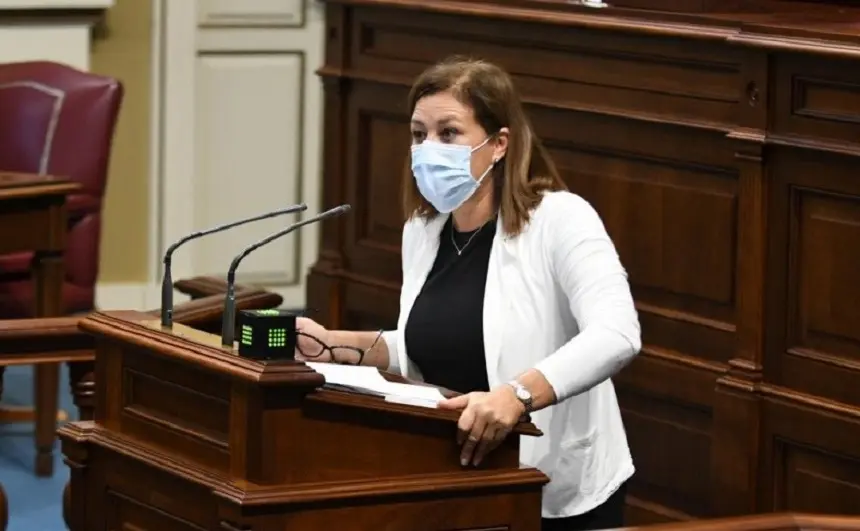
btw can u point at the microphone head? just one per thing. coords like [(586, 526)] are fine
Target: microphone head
[(339, 210)]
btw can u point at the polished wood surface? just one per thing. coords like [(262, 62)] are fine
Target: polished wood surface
[(33, 218), (722, 151), (769, 522), (189, 435), (26, 341)]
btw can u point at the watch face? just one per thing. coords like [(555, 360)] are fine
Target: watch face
[(522, 394)]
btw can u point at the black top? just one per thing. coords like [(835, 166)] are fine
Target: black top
[(445, 330)]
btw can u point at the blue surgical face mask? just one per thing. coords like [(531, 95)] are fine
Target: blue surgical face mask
[(443, 173)]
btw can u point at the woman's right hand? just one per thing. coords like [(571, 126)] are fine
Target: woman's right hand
[(310, 341)]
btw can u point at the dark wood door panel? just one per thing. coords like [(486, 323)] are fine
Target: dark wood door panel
[(668, 415), (685, 381), (818, 348), (812, 460), (378, 142), (825, 287), (660, 432), (652, 209), (823, 341), (707, 149), (579, 67), (816, 99), (656, 198)]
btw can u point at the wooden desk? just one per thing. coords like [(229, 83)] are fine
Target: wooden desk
[(187, 435), (33, 218), (765, 522), (59, 339)]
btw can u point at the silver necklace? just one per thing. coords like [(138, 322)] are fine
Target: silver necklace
[(472, 237)]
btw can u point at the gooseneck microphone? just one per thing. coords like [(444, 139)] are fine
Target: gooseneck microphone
[(228, 325), (167, 279)]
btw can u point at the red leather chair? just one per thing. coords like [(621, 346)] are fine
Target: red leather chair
[(57, 120)]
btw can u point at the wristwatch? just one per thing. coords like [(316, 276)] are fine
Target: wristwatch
[(522, 394)]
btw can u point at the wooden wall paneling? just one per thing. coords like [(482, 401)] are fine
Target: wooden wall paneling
[(811, 460), (660, 188), (378, 151), (324, 285), (673, 188), (574, 67), (723, 164), (815, 256), (811, 416), (818, 100), (737, 413)]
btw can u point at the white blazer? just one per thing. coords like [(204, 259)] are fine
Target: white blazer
[(556, 299)]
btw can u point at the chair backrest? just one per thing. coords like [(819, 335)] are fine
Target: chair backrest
[(57, 120)]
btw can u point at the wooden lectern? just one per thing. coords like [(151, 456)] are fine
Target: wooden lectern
[(188, 435)]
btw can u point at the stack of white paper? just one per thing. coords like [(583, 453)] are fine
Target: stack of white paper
[(368, 379)]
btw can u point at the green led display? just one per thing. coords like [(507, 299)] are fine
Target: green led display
[(247, 335), (268, 312), (277, 337)]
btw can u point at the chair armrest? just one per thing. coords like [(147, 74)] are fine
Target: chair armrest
[(22, 339), (55, 334), (200, 287)]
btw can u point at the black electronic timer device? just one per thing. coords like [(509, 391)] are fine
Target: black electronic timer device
[(267, 334)]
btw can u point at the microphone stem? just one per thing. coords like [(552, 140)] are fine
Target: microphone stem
[(228, 325), (167, 296), (167, 280)]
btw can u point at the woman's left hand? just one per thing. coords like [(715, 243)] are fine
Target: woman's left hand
[(486, 420)]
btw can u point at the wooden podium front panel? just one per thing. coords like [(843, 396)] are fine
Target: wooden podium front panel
[(502, 512), (129, 495), (130, 485), (363, 437), (274, 435), (170, 404)]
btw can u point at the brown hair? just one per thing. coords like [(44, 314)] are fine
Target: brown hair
[(526, 170)]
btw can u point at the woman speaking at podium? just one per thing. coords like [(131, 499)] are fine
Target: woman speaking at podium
[(513, 294)]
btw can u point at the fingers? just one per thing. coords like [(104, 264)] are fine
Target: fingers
[(464, 425), (484, 446), (481, 428), (493, 437), (458, 402), (473, 426)]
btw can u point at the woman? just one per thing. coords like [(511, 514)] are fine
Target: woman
[(513, 294)]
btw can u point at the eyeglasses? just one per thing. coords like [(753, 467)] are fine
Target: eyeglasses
[(352, 356), (319, 348)]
